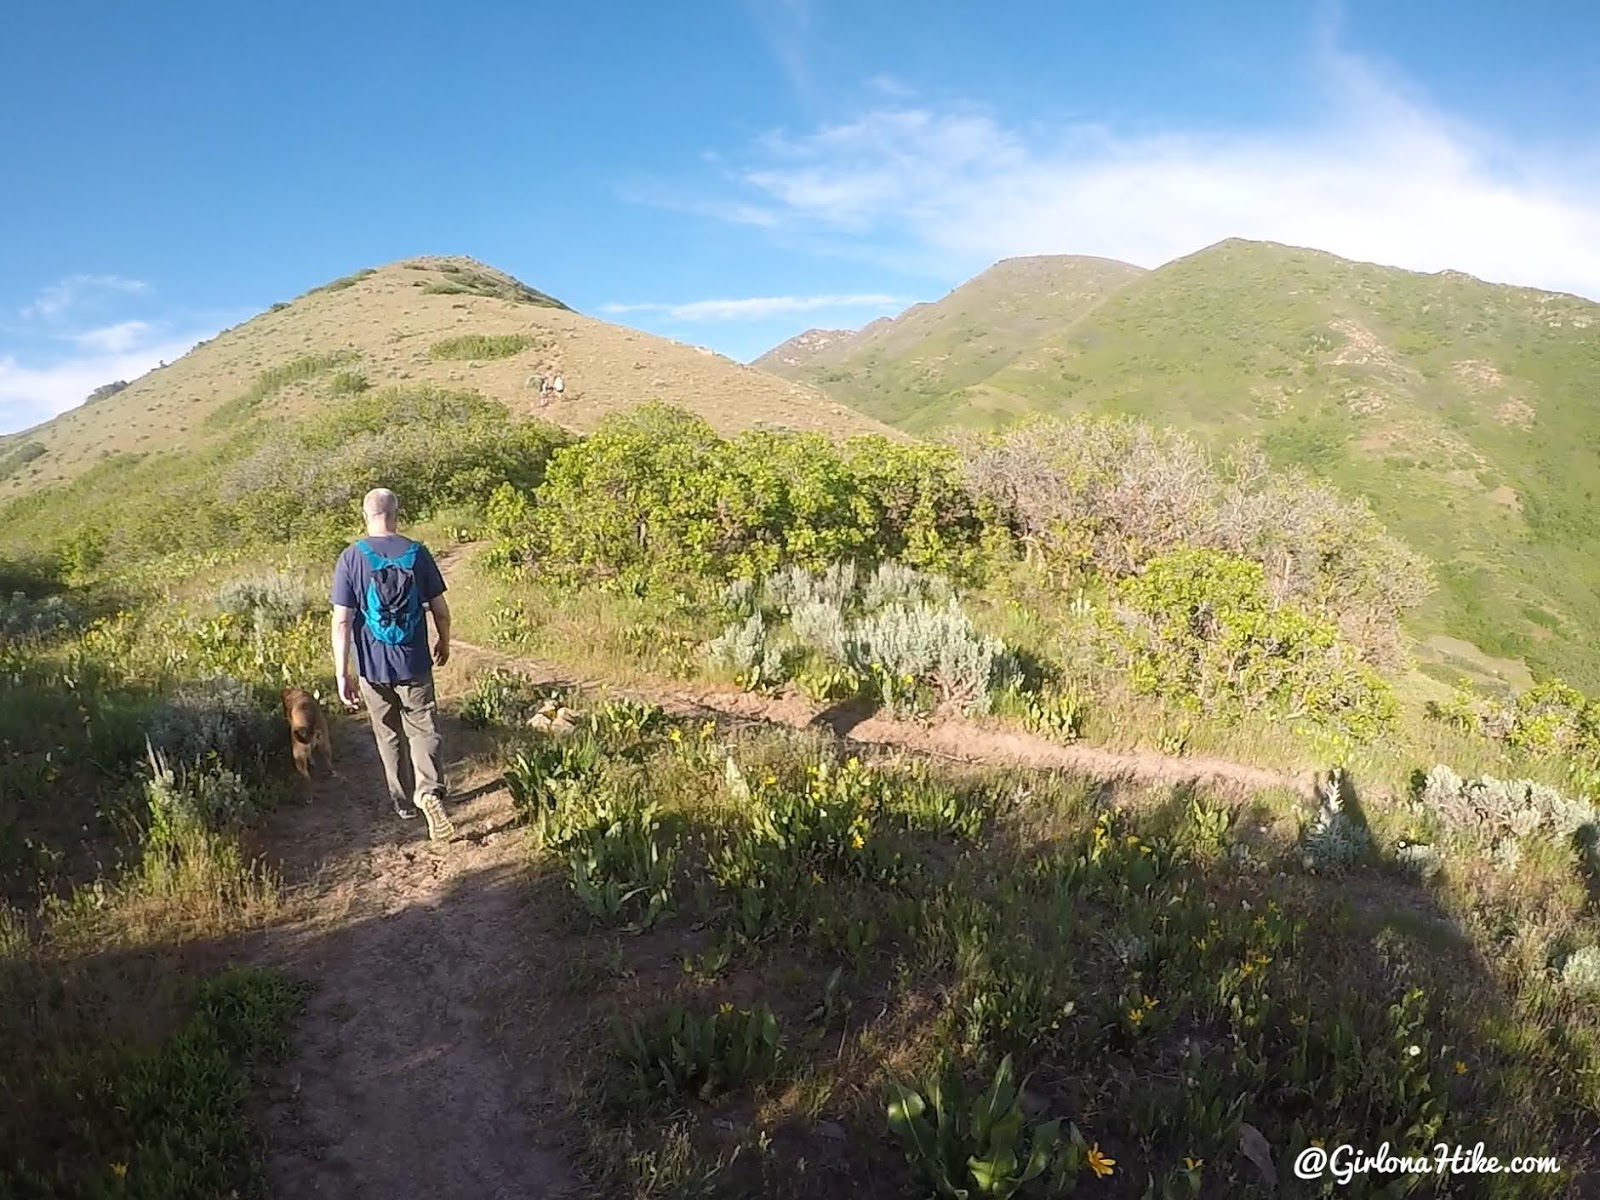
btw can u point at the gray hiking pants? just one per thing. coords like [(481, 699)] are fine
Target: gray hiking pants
[(403, 722)]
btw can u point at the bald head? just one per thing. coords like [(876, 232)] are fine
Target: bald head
[(379, 507)]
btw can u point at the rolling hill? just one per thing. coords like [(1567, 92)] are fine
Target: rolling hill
[(391, 325), (1468, 412), (894, 367)]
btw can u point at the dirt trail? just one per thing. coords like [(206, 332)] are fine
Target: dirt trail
[(961, 740), (397, 1090)]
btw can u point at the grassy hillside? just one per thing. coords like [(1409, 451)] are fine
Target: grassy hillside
[(447, 322), (1467, 412), (893, 368)]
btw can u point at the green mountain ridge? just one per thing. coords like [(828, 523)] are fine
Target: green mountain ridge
[(1467, 412)]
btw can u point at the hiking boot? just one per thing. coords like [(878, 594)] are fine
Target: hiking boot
[(403, 809), (439, 826)]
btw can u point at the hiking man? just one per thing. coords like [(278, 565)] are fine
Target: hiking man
[(383, 587)]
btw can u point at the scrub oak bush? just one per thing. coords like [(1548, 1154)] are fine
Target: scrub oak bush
[(1201, 627), (1551, 717), (1108, 494), (657, 496)]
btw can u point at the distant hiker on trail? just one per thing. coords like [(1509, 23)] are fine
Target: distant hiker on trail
[(383, 588)]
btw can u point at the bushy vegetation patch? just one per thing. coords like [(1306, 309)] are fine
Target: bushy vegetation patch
[(481, 346), (1201, 627), (14, 458), (898, 634), (655, 496), (1109, 494), (346, 281), (437, 448), (273, 380), (22, 616), (463, 280)]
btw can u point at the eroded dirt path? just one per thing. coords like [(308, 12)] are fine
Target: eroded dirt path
[(397, 1090)]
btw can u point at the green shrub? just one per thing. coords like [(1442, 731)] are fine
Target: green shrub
[(461, 279), (348, 383), (273, 380), (1504, 807), (481, 346), (985, 1145), (16, 457), (437, 449), (1581, 972), (678, 1055), (346, 281), (656, 495), (1200, 627), (903, 648), (1335, 839), (201, 794)]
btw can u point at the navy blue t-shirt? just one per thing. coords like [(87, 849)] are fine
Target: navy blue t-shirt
[(378, 662)]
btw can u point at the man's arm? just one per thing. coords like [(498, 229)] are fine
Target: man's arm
[(440, 608), (343, 622)]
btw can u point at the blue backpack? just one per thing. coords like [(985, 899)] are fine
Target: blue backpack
[(392, 607)]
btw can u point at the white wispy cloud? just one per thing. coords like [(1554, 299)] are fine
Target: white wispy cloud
[(756, 307), (1378, 175), (76, 291), (32, 394), (114, 339), (890, 85)]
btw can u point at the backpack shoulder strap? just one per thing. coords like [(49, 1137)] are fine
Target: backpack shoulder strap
[(406, 558)]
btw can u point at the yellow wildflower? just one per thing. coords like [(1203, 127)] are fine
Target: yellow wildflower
[(1193, 1164), (1461, 1068), (1317, 1142), (1099, 1163), (770, 780), (1149, 1003), (724, 1009), (856, 841), (1135, 1015), (675, 735), (120, 1170)]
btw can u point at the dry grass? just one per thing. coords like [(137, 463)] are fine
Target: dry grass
[(390, 322)]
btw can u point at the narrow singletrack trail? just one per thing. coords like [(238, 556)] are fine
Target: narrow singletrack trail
[(968, 741), (398, 1089)]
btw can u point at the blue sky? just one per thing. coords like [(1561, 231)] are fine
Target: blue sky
[(730, 172)]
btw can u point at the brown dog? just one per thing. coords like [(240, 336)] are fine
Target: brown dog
[(308, 730)]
